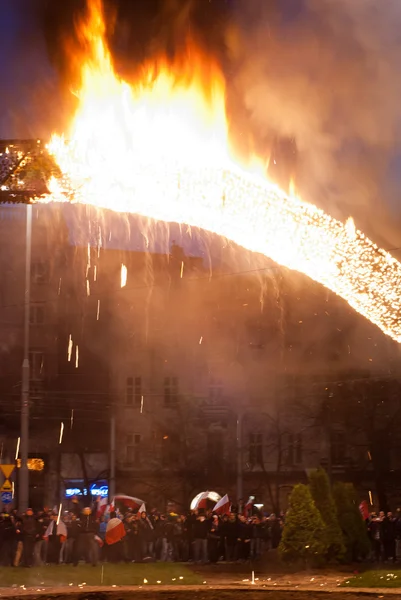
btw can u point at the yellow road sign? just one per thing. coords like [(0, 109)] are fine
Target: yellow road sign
[(7, 470), (7, 486)]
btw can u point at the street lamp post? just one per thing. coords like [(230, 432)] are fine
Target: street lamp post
[(24, 447), (112, 482), (240, 416)]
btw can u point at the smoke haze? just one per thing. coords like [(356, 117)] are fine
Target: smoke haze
[(327, 75)]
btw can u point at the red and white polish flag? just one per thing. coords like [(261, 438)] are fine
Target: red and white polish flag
[(223, 506), (115, 531)]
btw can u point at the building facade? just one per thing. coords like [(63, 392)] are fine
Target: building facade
[(221, 378)]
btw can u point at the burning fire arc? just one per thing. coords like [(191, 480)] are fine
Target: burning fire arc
[(159, 147)]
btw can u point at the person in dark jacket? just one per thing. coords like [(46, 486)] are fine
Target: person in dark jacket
[(73, 531), (76, 509), (132, 540), (231, 534), (376, 533), (389, 528), (214, 539), (244, 539), (86, 545), (275, 531), (40, 551), (146, 534), (30, 534), (8, 541), (200, 531)]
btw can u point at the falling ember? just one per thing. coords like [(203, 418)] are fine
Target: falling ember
[(69, 350), (72, 418), (76, 356), (124, 273), (17, 449), (182, 268), (369, 455), (88, 290), (201, 340), (59, 287), (98, 310), (59, 513), (370, 498), (173, 162), (61, 432), (141, 404), (95, 273)]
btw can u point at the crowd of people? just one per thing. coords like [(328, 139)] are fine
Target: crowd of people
[(47, 537), (82, 534), (384, 531)]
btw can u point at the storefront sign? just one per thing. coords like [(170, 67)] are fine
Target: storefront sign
[(96, 489)]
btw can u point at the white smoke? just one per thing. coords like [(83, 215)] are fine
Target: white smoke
[(329, 78)]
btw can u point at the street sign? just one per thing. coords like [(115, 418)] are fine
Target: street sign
[(7, 470), (7, 486), (6, 497)]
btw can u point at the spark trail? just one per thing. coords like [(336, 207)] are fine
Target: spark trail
[(159, 147)]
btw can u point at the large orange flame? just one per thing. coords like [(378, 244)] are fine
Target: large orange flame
[(159, 147)]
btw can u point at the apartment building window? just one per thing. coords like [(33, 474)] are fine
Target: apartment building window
[(40, 272), (256, 448), (338, 447), (170, 391), (36, 363), (293, 450), (133, 391), (133, 448), (37, 314)]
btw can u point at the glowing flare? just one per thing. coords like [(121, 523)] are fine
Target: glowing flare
[(61, 433), (124, 274), (69, 349), (159, 147)]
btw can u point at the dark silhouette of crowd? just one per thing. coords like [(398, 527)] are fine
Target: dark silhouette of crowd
[(81, 534)]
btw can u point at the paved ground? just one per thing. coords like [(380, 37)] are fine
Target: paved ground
[(311, 586), (227, 582)]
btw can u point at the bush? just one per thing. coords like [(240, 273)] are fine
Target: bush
[(303, 535), (324, 501), (351, 522)]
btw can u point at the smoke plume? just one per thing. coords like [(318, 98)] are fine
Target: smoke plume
[(318, 76), (326, 73)]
